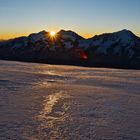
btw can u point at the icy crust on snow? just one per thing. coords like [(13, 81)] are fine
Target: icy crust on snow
[(51, 102)]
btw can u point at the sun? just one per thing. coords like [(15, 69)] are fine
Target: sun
[(52, 33)]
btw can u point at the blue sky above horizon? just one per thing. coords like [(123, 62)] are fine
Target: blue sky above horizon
[(86, 17)]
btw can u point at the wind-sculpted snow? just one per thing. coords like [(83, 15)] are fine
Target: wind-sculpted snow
[(51, 102)]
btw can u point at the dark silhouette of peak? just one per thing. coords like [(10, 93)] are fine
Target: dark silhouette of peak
[(42, 35), (70, 34), (124, 32), (123, 35), (120, 48), (43, 32), (39, 33), (66, 31)]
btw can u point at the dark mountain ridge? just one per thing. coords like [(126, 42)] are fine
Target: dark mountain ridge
[(118, 49)]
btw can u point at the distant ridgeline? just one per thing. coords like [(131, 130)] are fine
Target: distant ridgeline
[(119, 49)]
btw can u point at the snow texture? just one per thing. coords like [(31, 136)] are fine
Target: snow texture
[(39, 101)]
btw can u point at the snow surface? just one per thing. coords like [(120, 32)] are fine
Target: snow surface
[(42, 102)]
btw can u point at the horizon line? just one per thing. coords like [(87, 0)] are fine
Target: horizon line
[(85, 37)]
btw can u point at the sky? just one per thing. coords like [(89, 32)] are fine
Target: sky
[(86, 17)]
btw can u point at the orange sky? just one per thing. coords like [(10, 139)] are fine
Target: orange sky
[(85, 17), (83, 34)]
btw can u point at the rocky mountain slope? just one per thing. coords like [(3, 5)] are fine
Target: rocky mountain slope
[(120, 48)]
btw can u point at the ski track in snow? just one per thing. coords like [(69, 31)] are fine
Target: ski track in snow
[(51, 102)]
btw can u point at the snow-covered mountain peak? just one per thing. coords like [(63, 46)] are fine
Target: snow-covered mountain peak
[(125, 35), (66, 32), (124, 31), (119, 45), (38, 36), (69, 35)]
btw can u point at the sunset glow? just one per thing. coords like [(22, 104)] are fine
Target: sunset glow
[(52, 33), (87, 18), (70, 69)]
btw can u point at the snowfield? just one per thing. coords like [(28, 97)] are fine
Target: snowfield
[(51, 102)]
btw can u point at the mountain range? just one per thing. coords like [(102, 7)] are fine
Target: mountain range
[(118, 49)]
